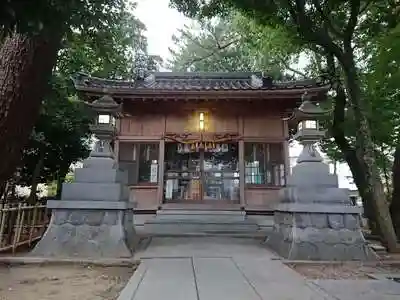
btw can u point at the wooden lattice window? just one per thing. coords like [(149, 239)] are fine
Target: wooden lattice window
[(264, 164), (141, 162)]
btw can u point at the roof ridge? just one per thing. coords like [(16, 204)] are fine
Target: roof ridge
[(205, 75)]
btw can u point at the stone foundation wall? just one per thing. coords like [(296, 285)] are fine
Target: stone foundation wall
[(85, 232), (319, 236)]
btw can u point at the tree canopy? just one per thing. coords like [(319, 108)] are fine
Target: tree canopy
[(231, 44)]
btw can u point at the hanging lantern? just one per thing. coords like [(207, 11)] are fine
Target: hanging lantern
[(201, 122)]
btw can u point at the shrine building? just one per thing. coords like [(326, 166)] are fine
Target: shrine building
[(203, 140)]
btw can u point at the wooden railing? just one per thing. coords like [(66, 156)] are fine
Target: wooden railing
[(21, 224)]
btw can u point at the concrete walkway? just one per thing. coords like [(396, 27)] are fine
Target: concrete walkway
[(222, 269), (213, 269)]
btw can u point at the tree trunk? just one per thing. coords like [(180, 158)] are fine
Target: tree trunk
[(63, 171), (365, 153), (35, 177), (355, 163), (395, 204), (386, 175), (26, 63)]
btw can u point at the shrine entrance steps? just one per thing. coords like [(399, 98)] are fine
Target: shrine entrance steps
[(181, 222)]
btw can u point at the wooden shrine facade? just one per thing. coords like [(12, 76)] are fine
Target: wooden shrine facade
[(210, 139)]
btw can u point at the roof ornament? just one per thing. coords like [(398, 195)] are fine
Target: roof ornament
[(140, 66), (150, 79), (256, 81)]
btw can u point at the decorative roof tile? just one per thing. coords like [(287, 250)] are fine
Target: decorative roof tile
[(193, 81)]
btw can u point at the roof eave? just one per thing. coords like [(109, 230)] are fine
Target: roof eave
[(157, 92)]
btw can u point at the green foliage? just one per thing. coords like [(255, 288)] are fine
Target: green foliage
[(34, 16), (384, 86), (52, 189), (61, 135), (234, 43), (105, 50)]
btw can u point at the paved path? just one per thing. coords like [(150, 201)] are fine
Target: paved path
[(223, 269)]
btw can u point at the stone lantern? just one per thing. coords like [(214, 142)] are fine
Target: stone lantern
[(104, 125), (309, 131), (94, 218), (315, 219)]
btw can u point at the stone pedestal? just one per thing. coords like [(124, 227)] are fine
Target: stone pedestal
[(315, 219), (93, 219)]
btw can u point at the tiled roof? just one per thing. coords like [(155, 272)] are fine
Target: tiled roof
[(171, 81)]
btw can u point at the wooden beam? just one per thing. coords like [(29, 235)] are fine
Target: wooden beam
[(263, 139), (139, 138)]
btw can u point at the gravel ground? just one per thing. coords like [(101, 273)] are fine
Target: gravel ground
[(342, 271), (62, 282)]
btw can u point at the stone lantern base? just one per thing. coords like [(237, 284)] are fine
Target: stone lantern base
[(93, 219), (316, 219), (318, 232)]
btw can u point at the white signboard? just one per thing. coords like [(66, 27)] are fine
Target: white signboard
[(154, 173)]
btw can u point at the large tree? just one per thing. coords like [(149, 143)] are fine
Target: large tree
[(61, 133), (233, 44), (32, 34), (333, 30)]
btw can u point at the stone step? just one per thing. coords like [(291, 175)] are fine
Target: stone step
[(200, 212), (206, 224), (181, 222), (222, 219), (178, 229), (260, 235), (199, 216)]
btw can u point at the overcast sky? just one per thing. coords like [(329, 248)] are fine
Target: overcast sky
[(162, 22)]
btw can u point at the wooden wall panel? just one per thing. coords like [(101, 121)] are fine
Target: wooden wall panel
[(156, 125), (135, 126), (124, 126), (263, 126), (146, 125), (144, 197), (221, 123), (261, 197), (153, 125), (176, 123)]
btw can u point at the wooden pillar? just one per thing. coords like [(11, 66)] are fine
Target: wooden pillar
[(202, 175), (161, 154), (116, 142), (242, 174), (286, 150)]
